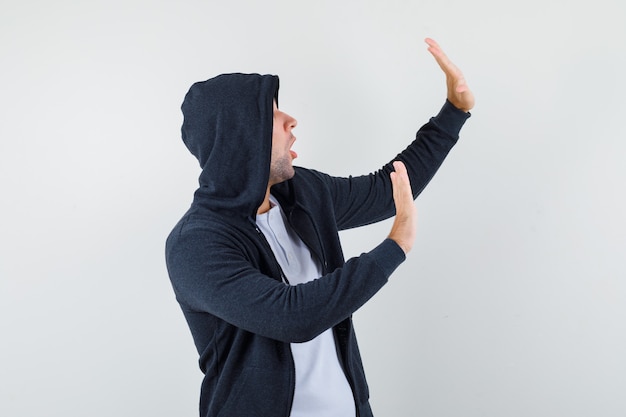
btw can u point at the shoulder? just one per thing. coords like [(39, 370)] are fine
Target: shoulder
[(306, 177), (205, 230)]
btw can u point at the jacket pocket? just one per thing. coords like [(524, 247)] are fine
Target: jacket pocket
[(256, 393)]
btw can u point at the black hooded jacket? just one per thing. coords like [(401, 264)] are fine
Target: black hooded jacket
[(241, 314)]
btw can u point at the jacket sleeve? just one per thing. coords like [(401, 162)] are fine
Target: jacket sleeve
[(367, 199), (211, 273)]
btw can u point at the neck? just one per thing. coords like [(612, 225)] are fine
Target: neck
[(265, 205)]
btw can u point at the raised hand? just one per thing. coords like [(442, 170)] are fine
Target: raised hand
[(459, 93), (404, 228)]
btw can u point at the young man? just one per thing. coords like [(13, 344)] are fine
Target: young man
[(256, 263)]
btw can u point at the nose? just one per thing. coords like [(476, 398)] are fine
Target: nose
[(291, 122)]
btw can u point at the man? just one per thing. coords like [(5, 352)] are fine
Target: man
[(256, 263)]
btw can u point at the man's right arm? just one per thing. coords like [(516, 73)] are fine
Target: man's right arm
[(367, 199)]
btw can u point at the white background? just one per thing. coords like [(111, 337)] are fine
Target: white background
[(513, 301)]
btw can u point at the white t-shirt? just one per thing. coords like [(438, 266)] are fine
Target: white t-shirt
[(322, 389)]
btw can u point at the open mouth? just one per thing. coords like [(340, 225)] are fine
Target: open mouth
[(293, 153)]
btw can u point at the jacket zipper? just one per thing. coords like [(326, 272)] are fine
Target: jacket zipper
[(283, 277), (286, 281), (322, 258), (321, 255)]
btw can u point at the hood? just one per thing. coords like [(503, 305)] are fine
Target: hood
[(227, 126)]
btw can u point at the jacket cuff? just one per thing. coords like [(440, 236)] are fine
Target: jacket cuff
[(389, 255), (450, 119)]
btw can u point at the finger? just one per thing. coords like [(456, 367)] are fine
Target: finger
[(442, 59), (400, 180), (437, 52), (434, 45), (400, 168)]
